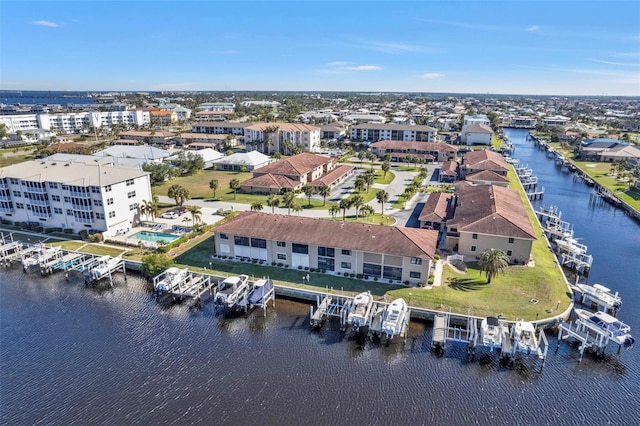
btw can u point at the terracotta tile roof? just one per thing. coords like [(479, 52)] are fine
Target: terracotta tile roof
[(297, 165), (491, 209), (436, 208), (334, 175), (449, 168), (484, 160), (411, 242), (407, 154), (211, 136), (486, 176), (419, 146), (286, 127), (271, 181)]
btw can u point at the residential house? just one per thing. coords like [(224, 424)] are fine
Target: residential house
[(490, 217), (476, 134), (556, 120), (476, 119), (448, 172), (150, 137), (475, 161), (215, 115), (242, 161), (337, 130), (436, 211), (396, 254), (282, 137)]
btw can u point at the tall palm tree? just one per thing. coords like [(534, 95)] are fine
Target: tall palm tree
[(382, 196), (345, 203), (357, 201), (493, 262), (234, 184), (143, 208), (273, 202), (385, 168), (179, 194), (154, 207), (288, 201), (256, 206), (334, 209), (325, 191), (369, 178), (360, 183), (297, 208), (196, 213), (213, 184), (308, 191)]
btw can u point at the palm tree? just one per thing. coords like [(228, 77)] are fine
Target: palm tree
[(371, 157), (297, 208), (179, 194), (273, 202), (357, 201), (325, 191), (345, 203), (362, 155), (385, 168), (369, 178), (213, 184), (366, 210), (153, 208), (493, 262), (143, 208), (382, 196), (288, 201), (308, 191), (360, 183), (334, 209), (234, 184), (195, 212), (256, 206)]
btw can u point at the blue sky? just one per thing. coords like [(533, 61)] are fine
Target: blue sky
[(556, 47)]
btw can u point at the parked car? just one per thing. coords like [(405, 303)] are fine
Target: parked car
[(180, 210), (169, 215)]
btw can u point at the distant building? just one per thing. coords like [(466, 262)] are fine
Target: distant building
[(149, 137), (428, 151), (391, 253), (215, 115), (337, 130), (475, 161), (556, 120), (73, 195), (476, 134), (523, 122), (75, 122), (282, 137), (476, 119), (436, 211), (379, 132), (239, 161)]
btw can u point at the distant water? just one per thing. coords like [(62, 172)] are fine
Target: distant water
[(33, 97), (76, 355)]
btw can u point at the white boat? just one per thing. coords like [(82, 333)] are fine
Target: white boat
[(171, 278), (601, 296), (260, 291), (611, 327), (571, 245), (40, 255), (230, 289), (394, 317), (493, 332), (525, 337), (103, 266), (360, 310)]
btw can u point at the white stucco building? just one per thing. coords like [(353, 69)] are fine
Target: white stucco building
[(274, 137), (74, 122), (398, 132), (73, 195)]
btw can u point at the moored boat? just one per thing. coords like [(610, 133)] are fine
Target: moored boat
[(260, 291), (41, 254), (524, 333), (360, 309), (600, 295), (171, 278), (103, 266), (493, 332), (394, 317), (230, 289), (607, 325), (571, 245)]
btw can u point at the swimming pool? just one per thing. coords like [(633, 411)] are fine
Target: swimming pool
[(154, 236)]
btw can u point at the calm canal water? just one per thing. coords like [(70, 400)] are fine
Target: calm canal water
[(72, 355)]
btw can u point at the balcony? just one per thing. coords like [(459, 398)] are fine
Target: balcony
[(88, 221), (86, 194), (41, 214), (5, 197), (6, 210), (42, 203), (4, 185), (34, 190), (82, 208)]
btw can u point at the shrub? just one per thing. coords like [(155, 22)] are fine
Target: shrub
[(421, 284), (99, 237), (68, 231), (359, 276), (406, 282), (91, 238), (337, 273), (273, 263), (279, 264), (352, 275), (324, 271), (436, 257), (286, 266), (299, 266), (306, 268), (375, 278), (390, 281), (311, 269), (83, 234), (431, 278), (366, 277), (254, 260)]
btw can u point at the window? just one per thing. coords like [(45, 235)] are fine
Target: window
[(129, 182), (345, 265), (474, 236), (112, 214), (241, 241), (327, 263), (55, 198), (414, 274), (13, 181), (57, 210), (473, 248), (258, 243), (509, 252), (416, 261), (99, 216), (109, 201), (346, 252), (281, 243), (300, 248), (326, 251), (281, 256), (133, 206), (107, 188), (131, 194), (511, 240), (372, 269), (95, 189), (392, 273), (97, 202), (224, 237), (53, 185), (69, 212), (65, 187), (19, 206), (67, 199)]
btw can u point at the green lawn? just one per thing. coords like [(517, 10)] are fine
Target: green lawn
[(67, 245), (198, 186), (384, 180), (14, 159), (102, 250)]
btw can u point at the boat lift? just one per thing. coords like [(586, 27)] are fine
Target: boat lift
[(235, 301), (66, 261), (447, 327), (10, 250), (103, 267), (589, 336)]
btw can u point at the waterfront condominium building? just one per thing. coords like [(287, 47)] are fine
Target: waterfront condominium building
[(375, 132), (392, 253), (77, 196), (74, 122), (282, 137)]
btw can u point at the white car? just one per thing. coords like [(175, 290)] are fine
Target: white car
[(169, 215)]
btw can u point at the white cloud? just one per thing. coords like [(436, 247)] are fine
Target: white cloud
[(431, 75), (625, 64), (338, 64), (533, 28), (350, 66), (46, 24)]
